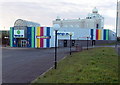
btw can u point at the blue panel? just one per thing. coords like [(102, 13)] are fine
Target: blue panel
[(29, 36), (13, 36), (34, 37), (104, 37), (48, 40), (91, 34), (14, 42)]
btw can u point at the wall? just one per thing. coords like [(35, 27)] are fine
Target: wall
[(36, 37), (84, 42), (44, 37)]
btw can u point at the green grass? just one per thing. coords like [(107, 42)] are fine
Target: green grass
[(98, 65), (108, 44)]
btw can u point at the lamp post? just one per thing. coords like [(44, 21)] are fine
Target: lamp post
[(116, 23), (56, 28), (70, 42), (87, 43)]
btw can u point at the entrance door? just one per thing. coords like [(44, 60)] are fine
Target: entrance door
[(93, 42), (65, 43), (23, 43)]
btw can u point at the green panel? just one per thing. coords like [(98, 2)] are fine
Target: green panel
[(107, 34), (33, 36), (11, 37)]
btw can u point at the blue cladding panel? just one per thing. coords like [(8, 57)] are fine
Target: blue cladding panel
[(13, 36), (29, 36), (104, 37), (91, 34), (48, 40), (15, 42)]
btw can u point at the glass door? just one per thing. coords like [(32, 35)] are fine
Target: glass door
[(23, 43)]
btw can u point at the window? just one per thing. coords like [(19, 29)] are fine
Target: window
[(97, 26)]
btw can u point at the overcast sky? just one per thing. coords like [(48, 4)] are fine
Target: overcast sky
[(45, 11)]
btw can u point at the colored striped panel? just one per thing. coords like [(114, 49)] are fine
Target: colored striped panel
[(45, 34), (107, 34), (104, 37), (92, 34), (11, 36), (41, 34), (33, 37), (97, 34), (102, 34), (29, 36), (48, 40), (38, 34), (14, 42)]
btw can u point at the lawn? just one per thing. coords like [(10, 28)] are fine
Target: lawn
[(98, 65)]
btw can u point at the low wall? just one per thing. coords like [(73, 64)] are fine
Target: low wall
[(84, 42)]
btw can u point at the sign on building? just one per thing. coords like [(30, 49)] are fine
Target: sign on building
[(18, 33)]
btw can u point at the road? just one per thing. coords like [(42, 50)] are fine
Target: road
[(22, 65)]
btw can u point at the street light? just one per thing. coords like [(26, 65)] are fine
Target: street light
[(116, 23), (70, 42), (56, 28), (87, 41)]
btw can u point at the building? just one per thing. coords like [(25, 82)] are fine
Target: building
[(19, 33), (4, 32), (118, 27), (4, 37), (43, 37), (32, 35), (93, 21)]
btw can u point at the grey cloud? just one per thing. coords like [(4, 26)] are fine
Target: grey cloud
[(45, 12)]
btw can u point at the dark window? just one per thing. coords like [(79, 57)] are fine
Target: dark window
[(65, 43), (97, 26), (73, 42)]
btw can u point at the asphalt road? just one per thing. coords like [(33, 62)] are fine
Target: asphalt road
[(22, 65)]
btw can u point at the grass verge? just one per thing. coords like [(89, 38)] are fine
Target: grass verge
[(98, 65)]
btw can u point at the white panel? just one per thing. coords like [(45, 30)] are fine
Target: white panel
[(94, 34), (45, 29), (102, 34)]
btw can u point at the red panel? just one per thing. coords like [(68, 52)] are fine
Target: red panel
[(41, 34), (97, 34)]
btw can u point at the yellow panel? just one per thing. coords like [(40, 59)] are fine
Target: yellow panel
[(38, 34), (99, 38)]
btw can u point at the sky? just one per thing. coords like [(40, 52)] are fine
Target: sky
[(45, 11)]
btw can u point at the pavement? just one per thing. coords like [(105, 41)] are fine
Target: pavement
[(23, 65), (118, 49)]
